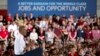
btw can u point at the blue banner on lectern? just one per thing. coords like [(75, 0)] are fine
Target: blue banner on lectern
[(50, 7)]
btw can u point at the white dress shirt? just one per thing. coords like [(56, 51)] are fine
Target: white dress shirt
[(19, 43)]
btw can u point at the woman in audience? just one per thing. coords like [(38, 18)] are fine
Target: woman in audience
[(34, 35), (72, 34), (50, 36)]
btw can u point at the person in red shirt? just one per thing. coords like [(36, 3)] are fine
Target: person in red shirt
[(9, 18), (57, 31), (88, 33), (4, 33), (73, 51), (72, 34), (41, 34), (80, 21)]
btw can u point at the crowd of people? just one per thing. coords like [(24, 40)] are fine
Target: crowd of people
[(56, 35)]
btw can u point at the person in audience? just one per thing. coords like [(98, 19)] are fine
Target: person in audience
[(73, 51), (65, 34), (43, 23), (16, 17), (4, 33), (4, 36), (24, 16), (31, 16), (41, 35), (69, 26), (72, 34), (9, 18), (50, 36), (80, 21), (34, 35), (13, 26), (71, 18), (80, 34), (96, 33)]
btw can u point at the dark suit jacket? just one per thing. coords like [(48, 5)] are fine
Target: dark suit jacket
[(36, 52)]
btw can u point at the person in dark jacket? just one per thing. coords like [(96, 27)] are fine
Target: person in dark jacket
[(80, 34)]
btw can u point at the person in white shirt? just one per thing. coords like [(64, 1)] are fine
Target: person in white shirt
[(50, 36), (12, 27), (43, 23), (19, 43), (34, 35)]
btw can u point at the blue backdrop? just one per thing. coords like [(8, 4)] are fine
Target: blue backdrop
[(49, 7)]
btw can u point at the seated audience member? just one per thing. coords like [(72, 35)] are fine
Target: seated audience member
[(69, 26), (88, 33), (41, 34), (34, 35), (96, 33), (43, 23), (57, 30), (9, 18), (50, 36), (71, 18), (31, 16), (73, 51), (24, 16), (4, 33), (80, 34), (13, 26), (65, 34), (80, 21), (16, 17), (72, 34)]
